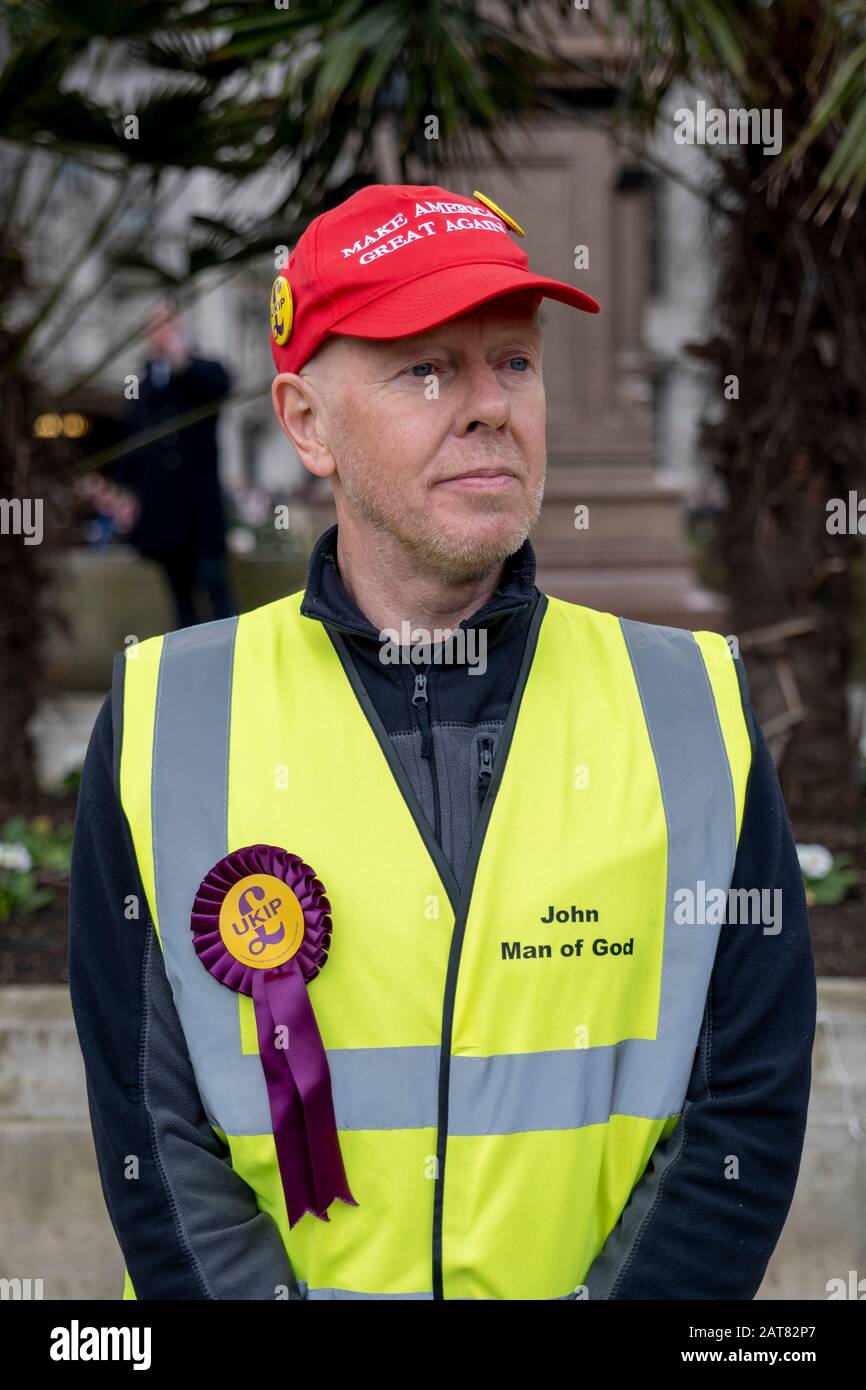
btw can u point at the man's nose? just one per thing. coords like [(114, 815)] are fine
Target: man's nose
[(483, 401)]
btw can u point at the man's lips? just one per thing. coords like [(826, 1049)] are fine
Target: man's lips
[(481, 478)]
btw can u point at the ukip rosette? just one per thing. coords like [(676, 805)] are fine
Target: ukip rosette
[(261, 924)]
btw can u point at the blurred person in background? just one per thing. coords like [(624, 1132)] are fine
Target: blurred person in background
[(181, 521)]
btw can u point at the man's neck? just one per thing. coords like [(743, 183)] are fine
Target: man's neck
[(389, 591)]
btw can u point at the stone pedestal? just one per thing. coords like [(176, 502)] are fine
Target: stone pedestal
[(632, 559)]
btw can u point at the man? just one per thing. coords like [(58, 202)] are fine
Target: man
[(181, 521), (431, 994)]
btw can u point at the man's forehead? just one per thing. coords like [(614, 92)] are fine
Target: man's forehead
[(500, 316), (516, 312)]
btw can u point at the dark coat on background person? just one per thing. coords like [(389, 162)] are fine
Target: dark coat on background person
[(176, 478)]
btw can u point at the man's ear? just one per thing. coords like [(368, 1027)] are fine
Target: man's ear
[(300, 411)]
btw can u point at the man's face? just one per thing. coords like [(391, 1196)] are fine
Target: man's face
[(164, 331), (439, 439)]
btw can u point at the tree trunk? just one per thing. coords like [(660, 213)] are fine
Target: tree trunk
[(29, 469), (793, 334)]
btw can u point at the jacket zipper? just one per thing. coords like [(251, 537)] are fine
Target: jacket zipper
[(485, 766), (422, 709)]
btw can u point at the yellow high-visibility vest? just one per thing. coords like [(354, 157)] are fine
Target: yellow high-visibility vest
[(504, 1057)]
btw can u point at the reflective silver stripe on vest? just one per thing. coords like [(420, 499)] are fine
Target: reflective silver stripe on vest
[(518, 1092), (694, 772), (313, 1294), (189, 806), (373, 1088), (396, 1088)]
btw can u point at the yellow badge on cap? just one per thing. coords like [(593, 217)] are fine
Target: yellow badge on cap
[(509, 221), (282, 310)]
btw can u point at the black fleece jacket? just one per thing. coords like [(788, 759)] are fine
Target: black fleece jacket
[(698, 1225)]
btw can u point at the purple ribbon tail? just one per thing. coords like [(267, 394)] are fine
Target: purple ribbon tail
[(299, 1093)]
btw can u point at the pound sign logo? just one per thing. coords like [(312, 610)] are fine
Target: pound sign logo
[(261, 921)]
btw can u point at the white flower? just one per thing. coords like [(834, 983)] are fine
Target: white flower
[(252, 506), (241, 541), (15, 857), (816, 861)]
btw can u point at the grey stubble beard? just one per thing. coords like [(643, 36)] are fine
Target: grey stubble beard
[(454, 561)]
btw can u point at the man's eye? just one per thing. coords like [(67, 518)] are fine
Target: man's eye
[(523, 363), (422, 369)]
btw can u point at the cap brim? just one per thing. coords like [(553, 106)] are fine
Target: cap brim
[(447, 292)]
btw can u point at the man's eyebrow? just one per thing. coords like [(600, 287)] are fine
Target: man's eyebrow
[(433, 336)]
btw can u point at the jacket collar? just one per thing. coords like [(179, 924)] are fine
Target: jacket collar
[(326, 597)]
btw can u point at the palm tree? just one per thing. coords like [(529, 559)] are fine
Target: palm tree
[(313, 100), (789, 245)]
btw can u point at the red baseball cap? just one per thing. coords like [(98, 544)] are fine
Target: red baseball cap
[(396, 259)]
